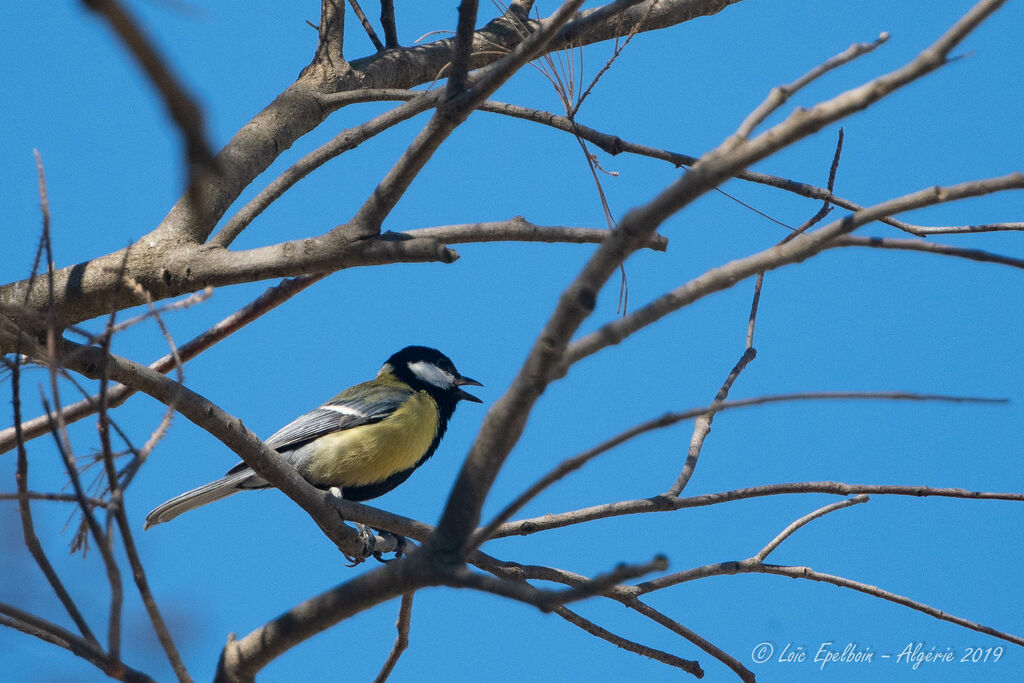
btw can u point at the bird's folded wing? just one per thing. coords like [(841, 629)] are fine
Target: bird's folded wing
[(351, 408)]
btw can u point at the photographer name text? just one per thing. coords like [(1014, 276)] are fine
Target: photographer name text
[(915, 655)]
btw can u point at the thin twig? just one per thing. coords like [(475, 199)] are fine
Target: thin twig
[(575, 462), (666, 503), (547, 600), (725, 276), (367, 26), (614, 145), (35, 548), (165, 422), (401, 640), (810, 517), (928, 248), (826, 207), (718, 653), (702, 426), (117, 395), (339, 144), (114, 485), (687, 665), (619, 47), (874, 591), (924, 230), (520, 229), (102, 539), (780, 94), (88, 650), (449, 115), (62, 497)]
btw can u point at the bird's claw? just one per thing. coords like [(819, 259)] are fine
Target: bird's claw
[(367, 536), (400, 544)]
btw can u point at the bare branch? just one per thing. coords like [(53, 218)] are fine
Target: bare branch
[(387, 20), (329, 60), (924, 230), (35, 548), (751, 566), (341, 143), (781, 94), (518, 229), (62, 497), (464, 34), (928, 248), (797, 250), (702, 427), (401, 641), (614, 145), (450, 114), (874, 591), (180, 104), (366, 25), (88, 650), (689, 666), (103, 540), (810, 517), (548, 599), (570, 465), (701, 642), (666, 503), (117, 498), (507, 417), (117, 395), (243, 658)]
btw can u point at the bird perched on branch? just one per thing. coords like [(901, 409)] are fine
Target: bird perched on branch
[(365, 441)]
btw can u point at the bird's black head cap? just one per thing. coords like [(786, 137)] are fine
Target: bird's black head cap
[(426, 368)]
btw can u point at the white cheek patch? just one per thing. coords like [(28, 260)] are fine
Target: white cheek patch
[(345, 410), (431, 374)]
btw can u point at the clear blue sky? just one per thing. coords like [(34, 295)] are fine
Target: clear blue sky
[(848, 320)]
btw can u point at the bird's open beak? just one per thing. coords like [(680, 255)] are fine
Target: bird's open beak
[(465, 395)]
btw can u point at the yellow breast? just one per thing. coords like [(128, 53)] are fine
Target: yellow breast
[(371, 453)]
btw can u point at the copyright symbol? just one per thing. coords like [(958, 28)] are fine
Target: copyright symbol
[(762, 652)]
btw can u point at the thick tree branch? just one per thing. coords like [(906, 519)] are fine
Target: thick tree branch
[(243, 658), (172, 272), (83, 291)]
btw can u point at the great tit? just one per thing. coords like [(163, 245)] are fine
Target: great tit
[(365, 441)]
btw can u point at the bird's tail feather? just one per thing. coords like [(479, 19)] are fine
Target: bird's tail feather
[(215, 490)]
